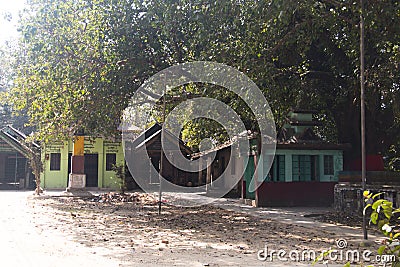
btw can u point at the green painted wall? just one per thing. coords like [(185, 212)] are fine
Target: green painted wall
[(337, 165), (59, 178), (288, 154), (248, 175), (337, 162), (55, 179)]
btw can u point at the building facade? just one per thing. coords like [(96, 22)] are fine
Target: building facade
[(15, 172), (298, 177), (100, 156), (304, 171)]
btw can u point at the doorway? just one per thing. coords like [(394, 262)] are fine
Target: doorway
[(91, 169)]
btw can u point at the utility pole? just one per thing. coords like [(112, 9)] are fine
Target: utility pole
[(160, 175), (362, 106)]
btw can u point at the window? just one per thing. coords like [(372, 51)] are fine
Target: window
[(304, 168), (55, 161), (328, 165), (111, 159), (278, 169)]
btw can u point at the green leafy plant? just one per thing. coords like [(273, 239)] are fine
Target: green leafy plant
[(121, 177), (321, 257), (384, 216)]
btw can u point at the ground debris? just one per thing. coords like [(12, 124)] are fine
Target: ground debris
[(129, 225), (135, 197), (341, 218)]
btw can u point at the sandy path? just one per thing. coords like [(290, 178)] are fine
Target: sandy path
[(69, 231), (25, 243)]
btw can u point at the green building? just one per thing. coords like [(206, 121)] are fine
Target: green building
[(100, 156), (304, 170)]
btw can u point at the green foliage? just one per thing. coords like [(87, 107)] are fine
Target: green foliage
[(394, 157), (120, 177), (321, 257), (83, 60), (385, 217), (196, 130), (5, 70), (7, 75)]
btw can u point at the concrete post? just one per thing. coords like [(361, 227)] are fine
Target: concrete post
[(77, 177)]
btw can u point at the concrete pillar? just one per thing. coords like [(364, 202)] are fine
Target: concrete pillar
[(200, 177), (256, 182), (77, 177), (208, 177)]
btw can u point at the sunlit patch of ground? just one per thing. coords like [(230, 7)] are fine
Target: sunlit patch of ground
[(135, 233)]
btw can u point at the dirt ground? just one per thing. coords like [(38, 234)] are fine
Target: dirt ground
[(133, 234), (102, 231)]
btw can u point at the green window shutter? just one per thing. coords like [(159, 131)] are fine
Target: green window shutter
[(282, 168), (328, 165), (295, 168)]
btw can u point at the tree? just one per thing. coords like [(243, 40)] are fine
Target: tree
[(84, 60), (314, 49), (7, 75)]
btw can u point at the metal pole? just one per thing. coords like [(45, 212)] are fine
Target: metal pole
[(256, 159), (362, 105), (161, 156), (16, 169)]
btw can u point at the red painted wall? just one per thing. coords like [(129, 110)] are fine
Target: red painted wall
[(374, 163), (78, 164), (291, 194)]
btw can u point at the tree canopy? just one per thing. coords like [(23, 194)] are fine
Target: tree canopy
[(83, 60)]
